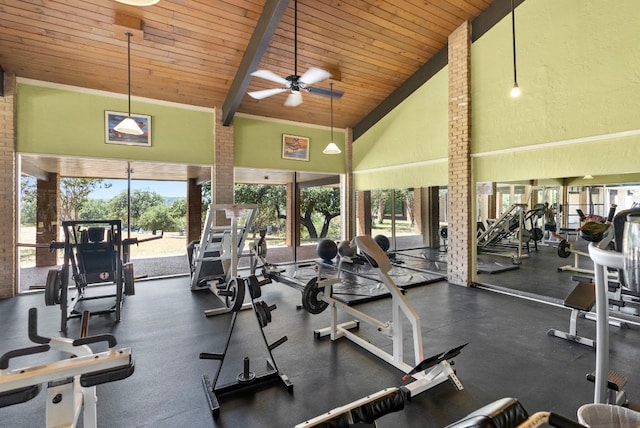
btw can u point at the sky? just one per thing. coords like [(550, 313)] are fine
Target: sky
[(168, 189)]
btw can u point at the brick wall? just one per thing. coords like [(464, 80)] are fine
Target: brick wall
[(460, 240), (194, 210), (8, 181), (222, 172)]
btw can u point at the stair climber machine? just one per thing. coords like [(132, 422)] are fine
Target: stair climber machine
[(214, 258), (422, 373)]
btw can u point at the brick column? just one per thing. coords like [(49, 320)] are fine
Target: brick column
[(363, 210), (47, 218), (293, 215), (194, 210), (8, 180), (461, 240), (222, 173)]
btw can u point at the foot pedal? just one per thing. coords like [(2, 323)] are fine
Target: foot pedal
[(615, 381)]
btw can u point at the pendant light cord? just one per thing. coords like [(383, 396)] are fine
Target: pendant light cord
[(513, 37), (331, 95), (295, 37), (129, 67)]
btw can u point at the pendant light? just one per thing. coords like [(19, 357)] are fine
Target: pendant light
[(515, 91), (332, 148), (128, 125), (139, 2)]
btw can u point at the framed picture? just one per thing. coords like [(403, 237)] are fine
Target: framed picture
[(111, 136), (295, 148)]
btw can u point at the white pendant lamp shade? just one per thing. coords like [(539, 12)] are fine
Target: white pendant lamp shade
[(139, 2), (128, 126), (332, 149)]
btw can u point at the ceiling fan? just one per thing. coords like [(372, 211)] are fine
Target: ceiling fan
[(294, 82)]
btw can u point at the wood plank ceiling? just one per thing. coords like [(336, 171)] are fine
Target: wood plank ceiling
[(191, 51)]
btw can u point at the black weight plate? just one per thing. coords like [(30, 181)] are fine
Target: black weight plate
[(129, 282), (254, 287), (564, 249), (264, 313), (52, 288), (235, 294), (444, 232), (310, 300), (537, 234)]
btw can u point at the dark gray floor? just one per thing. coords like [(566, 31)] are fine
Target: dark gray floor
[(509, 354)]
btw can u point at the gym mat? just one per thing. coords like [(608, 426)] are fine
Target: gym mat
[(403, 276), (431, 260), (352, 290)]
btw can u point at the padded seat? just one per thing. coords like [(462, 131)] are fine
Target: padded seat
[(503, 413)]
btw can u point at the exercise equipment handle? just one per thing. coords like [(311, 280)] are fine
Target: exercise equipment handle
[(33, 328), (562, 422), (612, 213), (4, 360), (109, 338)]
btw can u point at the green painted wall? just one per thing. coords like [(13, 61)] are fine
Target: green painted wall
[(46, 114), (578, 69), (413, 137), (258, 144), (578, 63)]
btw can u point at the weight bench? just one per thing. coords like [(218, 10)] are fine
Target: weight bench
[(509, 413), (581, 299)]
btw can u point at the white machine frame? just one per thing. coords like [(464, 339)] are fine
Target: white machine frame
[(392, 329), (602, 259), (227, 240), (67, 399)]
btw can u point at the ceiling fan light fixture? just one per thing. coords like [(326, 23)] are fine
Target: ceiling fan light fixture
[(128, 125), (139, 2), (294, 99)]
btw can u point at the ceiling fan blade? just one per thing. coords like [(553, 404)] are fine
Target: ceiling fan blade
[(326, 92), (313, 75), (294, 99), (258, 95), (270, 75)]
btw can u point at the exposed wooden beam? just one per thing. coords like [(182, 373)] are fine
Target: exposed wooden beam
[(267, 24)]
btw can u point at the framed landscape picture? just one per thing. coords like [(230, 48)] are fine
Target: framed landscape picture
[(295, 148), (111, 136)]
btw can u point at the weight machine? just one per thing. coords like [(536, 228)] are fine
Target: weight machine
[(71, 383), (504, 236), (90, 258), (214, 258), (317, 296)]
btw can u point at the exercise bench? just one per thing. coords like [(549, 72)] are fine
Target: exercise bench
[(580, 300)]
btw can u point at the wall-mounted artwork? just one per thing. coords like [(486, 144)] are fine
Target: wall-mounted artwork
[(111, 136), (295, 148)]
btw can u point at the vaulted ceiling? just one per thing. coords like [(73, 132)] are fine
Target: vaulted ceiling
[(201, 52)]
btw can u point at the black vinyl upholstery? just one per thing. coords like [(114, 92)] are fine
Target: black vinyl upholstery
[(503, 413)]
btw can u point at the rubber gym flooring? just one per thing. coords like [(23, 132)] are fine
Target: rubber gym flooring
[(509, 354)]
